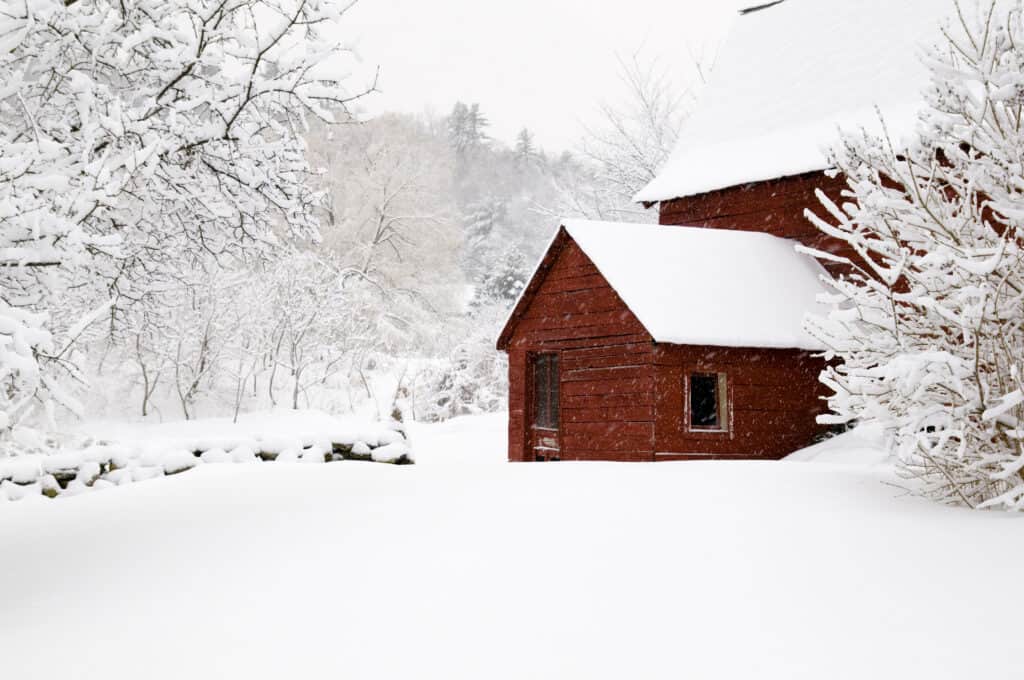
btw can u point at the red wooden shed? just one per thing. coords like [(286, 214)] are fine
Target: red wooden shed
[(631, 343), (645, 342)]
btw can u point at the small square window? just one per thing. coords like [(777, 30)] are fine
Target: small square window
[(708, 402)]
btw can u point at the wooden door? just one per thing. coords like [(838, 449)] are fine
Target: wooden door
[(545, 414)]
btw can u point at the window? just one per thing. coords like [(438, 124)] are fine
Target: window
[(709, 401), (545, 391)]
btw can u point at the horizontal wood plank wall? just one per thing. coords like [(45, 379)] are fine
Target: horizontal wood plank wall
[(517, 443), (607, 371), (775, 397), (774, 207)]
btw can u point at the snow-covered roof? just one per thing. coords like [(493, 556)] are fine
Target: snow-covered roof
[(695, 286), (789, 76)]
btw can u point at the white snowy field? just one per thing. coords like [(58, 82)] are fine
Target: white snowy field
[(451, 569)]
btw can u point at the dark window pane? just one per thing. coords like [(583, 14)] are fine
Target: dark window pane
[(553, 379), (704, 401), (545, 391), (540, 390)]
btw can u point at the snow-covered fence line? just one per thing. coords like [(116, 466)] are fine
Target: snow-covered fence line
[(86, 463)]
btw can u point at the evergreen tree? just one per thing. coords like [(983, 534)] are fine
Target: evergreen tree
[(483, 233), (466, 128), (503, 280), (526, 151)]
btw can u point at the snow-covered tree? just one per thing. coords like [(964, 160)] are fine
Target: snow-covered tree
[(636, 132), (205, 319), (313, 327), (392, 216), (468, 377), (137, 135), (504, 280), (467, 128), (526, 149), (583, 191), (485, 220), (928, 332)]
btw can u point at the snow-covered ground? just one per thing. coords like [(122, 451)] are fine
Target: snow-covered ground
[(468, 440), (450, 569)]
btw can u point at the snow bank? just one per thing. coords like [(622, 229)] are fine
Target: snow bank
[(119, 453), (861, 446), (717, 571), (466, 440)]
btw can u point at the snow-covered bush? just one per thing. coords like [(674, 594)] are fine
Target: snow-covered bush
[(465, 375), (472, 380), (239, 337), (929, 325)]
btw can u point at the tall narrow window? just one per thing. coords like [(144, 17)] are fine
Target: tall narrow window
[(545, 391), (708, 401)]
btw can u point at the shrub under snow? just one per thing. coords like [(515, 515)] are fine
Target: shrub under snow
[(929, 324)]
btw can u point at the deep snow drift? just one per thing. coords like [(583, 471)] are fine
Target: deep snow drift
[(449, 570)]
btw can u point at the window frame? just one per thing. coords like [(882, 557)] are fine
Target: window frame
[(551, 391), (723, 402)]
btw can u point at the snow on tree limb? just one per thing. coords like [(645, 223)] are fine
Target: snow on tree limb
[(930, 333), (138, 134)]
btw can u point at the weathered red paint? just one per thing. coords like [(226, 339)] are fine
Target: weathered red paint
[(774, 400), (774, 207), (622, 393), (605, 358)]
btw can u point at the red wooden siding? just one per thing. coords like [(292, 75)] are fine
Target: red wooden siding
[(775, 207), (622, 395), (517, 387), (606, 359), (774, 398)]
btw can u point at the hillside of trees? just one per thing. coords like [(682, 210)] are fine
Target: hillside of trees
[(429, 229), (154, 265)]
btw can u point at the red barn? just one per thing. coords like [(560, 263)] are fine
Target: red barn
[(685, 341)]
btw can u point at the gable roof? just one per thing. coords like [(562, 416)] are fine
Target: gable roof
[(697, 286), (789, 76)]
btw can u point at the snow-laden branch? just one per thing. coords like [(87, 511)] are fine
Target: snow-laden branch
[(139, 137), (929, 321)]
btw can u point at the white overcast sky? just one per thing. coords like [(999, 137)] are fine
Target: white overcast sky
[(542, 64)]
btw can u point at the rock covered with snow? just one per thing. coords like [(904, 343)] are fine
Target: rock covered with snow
[(111, 454)]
